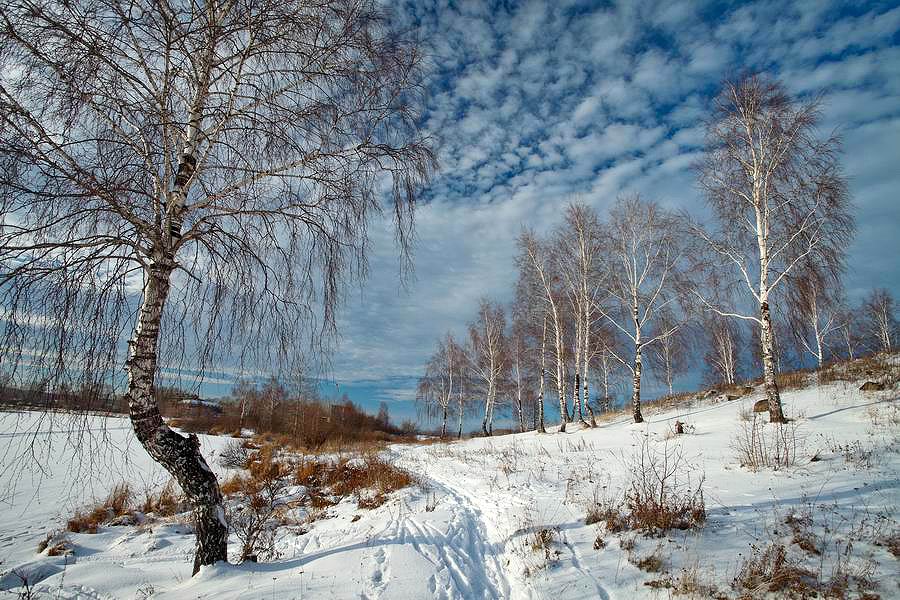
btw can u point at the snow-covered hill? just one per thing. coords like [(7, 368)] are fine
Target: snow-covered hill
[(504, 517)]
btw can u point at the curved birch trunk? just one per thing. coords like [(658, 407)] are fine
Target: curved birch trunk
[(179, 455)]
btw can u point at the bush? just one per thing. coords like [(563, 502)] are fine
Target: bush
[(661, 495), (259, 507), (234, 456)]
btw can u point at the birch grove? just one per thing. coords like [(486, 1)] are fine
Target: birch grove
[(201, 174)]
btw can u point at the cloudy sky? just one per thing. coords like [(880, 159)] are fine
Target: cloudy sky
[(539, 103)]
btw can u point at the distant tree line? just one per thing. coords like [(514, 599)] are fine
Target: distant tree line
[(602, 299), (302, 417)]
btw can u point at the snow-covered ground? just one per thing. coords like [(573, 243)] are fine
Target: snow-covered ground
[(471, 530)]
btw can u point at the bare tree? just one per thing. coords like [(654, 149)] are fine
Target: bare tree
[(849, 328), (670, 354), (201, 172), (536, 272), (577, 254), (723, 356), (522, 391), (643, 265), (778, 195), (529, 332), (488, 357), (881, 322), (443, 375), (814, 309)]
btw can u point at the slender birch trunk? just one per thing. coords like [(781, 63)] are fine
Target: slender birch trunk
[(461, 407), (179, 455), (560, 377), (539, 422)]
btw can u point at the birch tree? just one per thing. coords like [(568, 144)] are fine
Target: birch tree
[(814, 304), (529, 331), (201, 174), (643, 264), (723, 355), (536, 268), (577, 250), (849, 329), (777, 194), (881, 321), (438, 389), (488, 359), (669, 354)]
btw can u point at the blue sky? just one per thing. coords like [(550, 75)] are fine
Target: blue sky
[(536, 104)]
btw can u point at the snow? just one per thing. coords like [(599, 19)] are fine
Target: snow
[(490, 496)]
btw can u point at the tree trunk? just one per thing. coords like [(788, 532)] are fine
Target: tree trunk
[(540, 402), (636, 391), (444, 424), (576, 398), (179, 455), (459, 433), (768, 356)]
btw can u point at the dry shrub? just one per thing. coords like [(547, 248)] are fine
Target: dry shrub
[(759, 444), (117, 504), (232, 485), (259, 509), (606, 510), (542, 541), (801, 524), (234, 456), (770, 569), (662, 494)]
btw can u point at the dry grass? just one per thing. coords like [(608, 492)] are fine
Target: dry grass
[(369, 478), (770, 569), (881, 368), (55, 544), (116, 504), (688, 583), (651, 563), (164, 503)]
